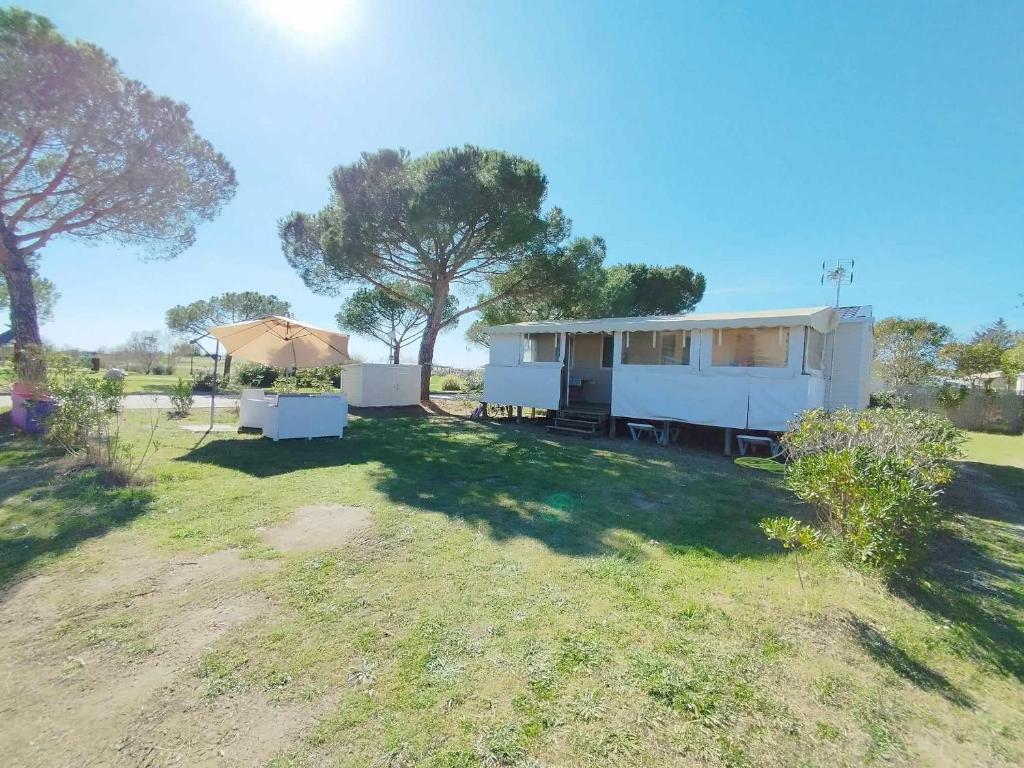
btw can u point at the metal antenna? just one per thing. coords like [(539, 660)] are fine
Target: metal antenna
[(840, 274)]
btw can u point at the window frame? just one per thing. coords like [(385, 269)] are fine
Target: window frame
[(807, 345), (658, 341), (526, 338), (782, 329), (608, 343)]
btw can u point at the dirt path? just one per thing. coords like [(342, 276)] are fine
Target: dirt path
[(99, 658)]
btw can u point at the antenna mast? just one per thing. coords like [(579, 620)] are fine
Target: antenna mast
[(839, 274)]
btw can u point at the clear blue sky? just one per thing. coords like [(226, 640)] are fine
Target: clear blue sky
[(750, 142)]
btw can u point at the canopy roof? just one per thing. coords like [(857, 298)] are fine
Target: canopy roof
[(281, 341), (823, 319)]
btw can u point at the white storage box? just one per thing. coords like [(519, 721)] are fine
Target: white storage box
[(372, 385)]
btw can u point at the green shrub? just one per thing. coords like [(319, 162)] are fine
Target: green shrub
[(928, 440), (286, 385), (181, 397), (887, 399), (319, 379), (257, 375), (451, 383), (83, 424), (881, 509), (951, 395), (84, 405), (874, 477), (474, 382), (322, 378), (203, 382), (112, 389)]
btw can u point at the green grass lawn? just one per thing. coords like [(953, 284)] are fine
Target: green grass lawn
[(1004, 450), (526, 601)]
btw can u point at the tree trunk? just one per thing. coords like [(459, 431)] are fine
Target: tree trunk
[(27, 341), (396, 354), (227, 367), (433, 327), (426, 358)]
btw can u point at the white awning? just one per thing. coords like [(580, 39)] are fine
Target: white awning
[(823, 319)]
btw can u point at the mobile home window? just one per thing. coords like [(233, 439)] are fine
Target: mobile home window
[(814, 350), (607, 351), (541, 348), (656, 348), (750, 347)]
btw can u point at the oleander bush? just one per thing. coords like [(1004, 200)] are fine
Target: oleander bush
[(875, 478)]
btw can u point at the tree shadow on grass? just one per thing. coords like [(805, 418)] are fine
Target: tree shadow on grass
[(516, 482), (975, 577), (886, 652), (49, 507)]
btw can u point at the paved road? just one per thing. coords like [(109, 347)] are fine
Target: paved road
[(142, 402)]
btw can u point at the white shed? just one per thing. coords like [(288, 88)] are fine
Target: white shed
[(371, 385), (748, 370)]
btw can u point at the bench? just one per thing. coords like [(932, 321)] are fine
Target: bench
[(746, 442), (661, 436), (638, 430)]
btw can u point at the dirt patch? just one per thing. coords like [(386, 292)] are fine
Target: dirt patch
[(68, 700), (320, 527)]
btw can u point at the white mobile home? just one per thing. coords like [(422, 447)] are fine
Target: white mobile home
[(749, 370)]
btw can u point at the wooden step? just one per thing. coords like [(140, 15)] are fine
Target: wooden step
[(577, 423), (588, 416), (588, 433)]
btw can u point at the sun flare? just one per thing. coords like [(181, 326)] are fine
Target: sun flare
[(314, 21)]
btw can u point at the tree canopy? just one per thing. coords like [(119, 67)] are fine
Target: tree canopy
[(997, 333), (86, 152), (585, 288), (973, 360), (907, 350), (197, 318), (993, 348), (634, 290), (464, 222), (379, 314)]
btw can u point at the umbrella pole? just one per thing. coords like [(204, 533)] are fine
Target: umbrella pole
[(213, 390)]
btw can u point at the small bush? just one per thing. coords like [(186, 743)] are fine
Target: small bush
[(887, 399), (83, 426), (162, 370), (257, 375), (286, 385), (451, 383), (875, 478), (951, 395), (318, 379), (474, 382), (84, 405), (322, 378), (203, 382), (181, 397)]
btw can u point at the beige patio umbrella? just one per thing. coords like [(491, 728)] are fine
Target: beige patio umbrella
[(283, 342), (278, 341)]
